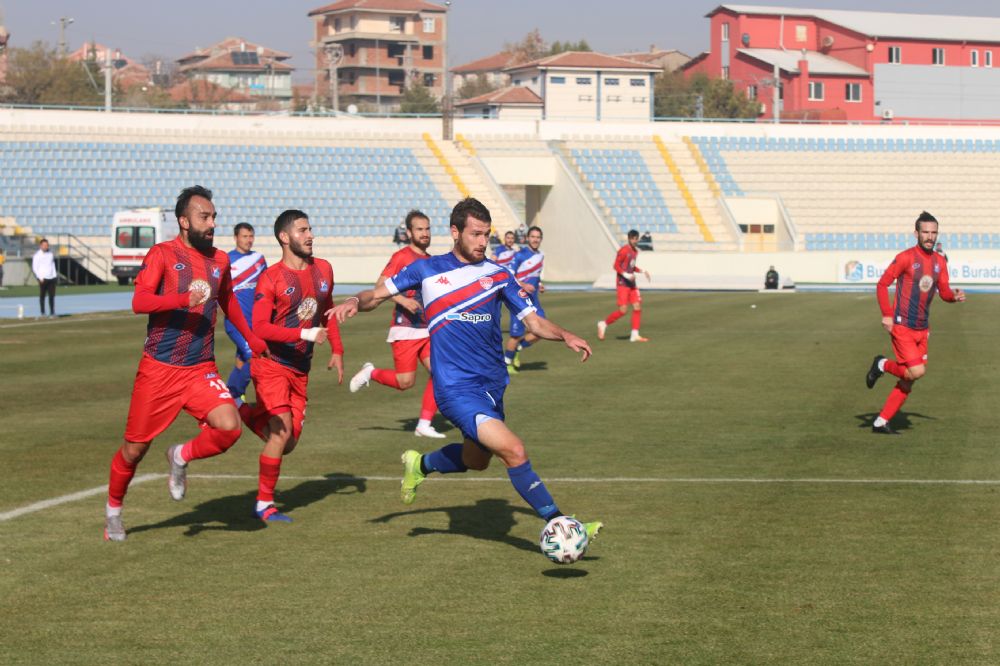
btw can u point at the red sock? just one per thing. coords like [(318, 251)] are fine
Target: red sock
[(613, 317), (895, 400), (270, 468), (429, 405), (386, 378), (122, 472), (636, 318), (211, 442), (893, 368)]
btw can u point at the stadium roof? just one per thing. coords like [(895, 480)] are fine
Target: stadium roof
[(379, 5), (511, 96), (584, 60), (818, 62), (889, 24)]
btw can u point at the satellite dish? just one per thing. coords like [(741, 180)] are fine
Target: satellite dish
[(827, 42), (745, 39), (352, 109)]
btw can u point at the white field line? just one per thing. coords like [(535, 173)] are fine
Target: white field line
[(84, 494)]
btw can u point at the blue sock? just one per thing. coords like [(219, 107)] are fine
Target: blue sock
[(509, 355), (446, 460), (238, 380), (530, 487), (524, 344)]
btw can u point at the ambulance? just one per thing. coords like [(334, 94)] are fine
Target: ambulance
[(133, 232)]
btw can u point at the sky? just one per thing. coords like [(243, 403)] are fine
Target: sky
[(478, 27)]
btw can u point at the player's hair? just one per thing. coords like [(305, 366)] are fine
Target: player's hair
[(633, 233), (466, 207), (286, 219), (924, 217), (44, 240), (180, 209), (509, 233), (241, 226), (535, 228), (412, 214)]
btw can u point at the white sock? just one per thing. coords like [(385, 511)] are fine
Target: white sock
[(507, 360), (881, 365), (635, 332), (110, 511), (879, 422), (423, 423), (263, 505), (178, 460)]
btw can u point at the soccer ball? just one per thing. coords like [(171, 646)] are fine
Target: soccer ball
[(564, 540)]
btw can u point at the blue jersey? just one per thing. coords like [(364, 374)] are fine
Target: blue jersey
[(246, 270), (504, 255), (527, 266), (462, 307)]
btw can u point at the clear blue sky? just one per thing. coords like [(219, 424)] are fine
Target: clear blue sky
[(479, 28)]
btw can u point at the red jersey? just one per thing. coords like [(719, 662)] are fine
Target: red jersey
[(625, 263), (918, 275), (176, 333), (288, 301), (397, 263)]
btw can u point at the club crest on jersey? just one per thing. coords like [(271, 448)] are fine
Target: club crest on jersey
[(215, 272), (522, 293), (323, 287), (211, 375), (485, 282), (926, 282), (179, 266), (307, 309), (289, 291)]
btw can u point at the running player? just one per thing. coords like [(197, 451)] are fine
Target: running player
[(180, 285), (462, 293), (527, 266), (247, 266), (628, 290), (505, 253), (288, 308), (918, 272), (408, 331)]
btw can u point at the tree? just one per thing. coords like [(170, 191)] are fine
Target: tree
[(680, 97), (562, 47), (37, 75), (417, 98), (475, 87), (531, 47)]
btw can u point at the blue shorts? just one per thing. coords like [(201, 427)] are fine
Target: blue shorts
[(468, 408), (243, 351), (517, 326)]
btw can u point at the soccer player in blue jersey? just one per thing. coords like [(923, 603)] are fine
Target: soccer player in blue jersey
[(504, 253), (247, 267), (462, 293), (527, 266)]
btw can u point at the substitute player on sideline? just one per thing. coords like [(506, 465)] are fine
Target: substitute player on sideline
[(247, 266), (462, 292), (180, 284), (526, 265), (408, 331), (288, 308), (919, 272), (628, 290)]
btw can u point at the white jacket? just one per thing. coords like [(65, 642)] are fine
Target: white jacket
[(43, 265)]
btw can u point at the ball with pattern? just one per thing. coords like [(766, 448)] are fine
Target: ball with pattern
[(564, 540)]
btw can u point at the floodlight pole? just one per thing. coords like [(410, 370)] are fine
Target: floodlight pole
[(63, 22), (334, 55), (107, 79)]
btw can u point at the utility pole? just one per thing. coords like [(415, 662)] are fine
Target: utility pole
[(107, 80), (63, 22), (447, 120), (334, 56)]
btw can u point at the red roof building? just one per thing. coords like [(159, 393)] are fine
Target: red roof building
[(125, 72), (250, 69), (511, 102)]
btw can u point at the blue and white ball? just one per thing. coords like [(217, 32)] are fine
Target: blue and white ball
[(564, 540)]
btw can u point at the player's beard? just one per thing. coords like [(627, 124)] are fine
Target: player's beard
[(422, 243), (470, 254), (300, 250), (201, 240)]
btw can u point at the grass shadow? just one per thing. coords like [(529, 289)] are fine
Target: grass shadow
[(900, 422), (408, 425), (533, 366), (489, 519), (234, 513)]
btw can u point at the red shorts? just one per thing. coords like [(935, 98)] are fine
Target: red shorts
[(279, 390), (161, 391), (910, 345), (628, 295), (407, 353)]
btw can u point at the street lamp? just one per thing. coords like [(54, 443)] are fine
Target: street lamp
[(63, 22), (446, 108)]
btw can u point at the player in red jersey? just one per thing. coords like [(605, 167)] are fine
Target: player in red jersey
[(408, 332), (628, 290), (919, 272), (180, 286), (288, 308)]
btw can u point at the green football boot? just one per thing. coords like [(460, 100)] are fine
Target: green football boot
[(412, 476)]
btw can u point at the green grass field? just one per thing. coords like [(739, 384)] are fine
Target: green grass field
[(751, 516)]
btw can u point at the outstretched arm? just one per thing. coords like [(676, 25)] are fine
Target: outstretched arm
[(364, 301), (548, 330)]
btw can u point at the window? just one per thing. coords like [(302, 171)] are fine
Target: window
[(428, 25), (429, 80), (801, 33), (614, 98), (610, 82), (816, 91), (637, 83), (852, 92), (725, 73), (751, 92), (583, 80), (428, 53), (397, 23), (974, 58), (135, 237), (987, 58), (352, 50), (585, 98), (396, 50), (725, 32), (937, 56), (336, 25), (557, 80), (895, 56)]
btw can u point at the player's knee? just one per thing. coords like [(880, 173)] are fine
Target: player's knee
[(133, 452), (636, 307), (623, 309), (406, 381), (915, 372)]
